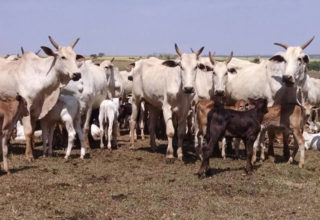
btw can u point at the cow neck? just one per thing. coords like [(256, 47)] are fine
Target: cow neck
[(49, 74), (259, 114)]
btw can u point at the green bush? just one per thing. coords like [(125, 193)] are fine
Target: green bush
[(314, 65)]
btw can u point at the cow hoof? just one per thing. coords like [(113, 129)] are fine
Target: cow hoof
[(82, 157), (132, 147), (66, 157), (271, 159), (202, 175), (290, 161), (301, 165), (30, 159), (249, 173), (142, 138), (170, 160), (180, 157), (154, 148)]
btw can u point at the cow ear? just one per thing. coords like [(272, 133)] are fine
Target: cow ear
[(48, 51), (277, 58), (306, 58), (232, 70), (170, 63), (80, 57)]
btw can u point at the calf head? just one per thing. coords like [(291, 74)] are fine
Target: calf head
[(108, 67), (220, 73), (260, 104), (65, 60), (23, 106), (188, 64), (295, 62)]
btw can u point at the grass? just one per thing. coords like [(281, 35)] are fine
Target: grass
[(138, 184)]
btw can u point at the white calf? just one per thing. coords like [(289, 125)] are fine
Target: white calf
[(312, 141), (65, 112), (108, 114)]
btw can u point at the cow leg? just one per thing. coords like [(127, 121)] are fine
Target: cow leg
[(286, 150), (207, 151), (223, 148), (154, 115), (50, 138), (28, 132), (110, 126), (271, 136), (87, 127), (71, 136), (77, 125), (141, 122), (249, 149), (181, 133), (45, 134), (102, 127), (259, 142), (114, 133), (299, 144), (133, 120), (236, 146), (167, 115), (4, 152)]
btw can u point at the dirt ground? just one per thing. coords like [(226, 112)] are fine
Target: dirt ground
[(139, 184)]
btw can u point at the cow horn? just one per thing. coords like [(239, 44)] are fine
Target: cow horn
[(192, 50), (199, 51), (178, 50), (75, 42), (37, 53), (301, 104), (211, 58), (282, 45), (307, 43), (53, 43), (112, 60), (22, 50), (229, 58)]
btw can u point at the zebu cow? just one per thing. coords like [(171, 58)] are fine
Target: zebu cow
[(38, 81), (97, 84), (264, 80), (67, 113), (10, 112), (108, 115), (166, 85)]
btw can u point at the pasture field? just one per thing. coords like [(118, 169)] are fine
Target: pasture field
[(139, 184)]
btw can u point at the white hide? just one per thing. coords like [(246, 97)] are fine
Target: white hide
[(108, 116), (67, 113)]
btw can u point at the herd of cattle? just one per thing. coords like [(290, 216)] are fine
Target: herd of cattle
[(226, 101)]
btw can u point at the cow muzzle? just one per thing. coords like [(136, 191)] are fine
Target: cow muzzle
[(287, 79), (188, 90), (76, 76), (219, 92)]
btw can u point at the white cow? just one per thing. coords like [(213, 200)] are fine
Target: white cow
[(97, 84), (67, 113), (269, 79), (38, 80), (312, 141), (167, 85), (108, 115)]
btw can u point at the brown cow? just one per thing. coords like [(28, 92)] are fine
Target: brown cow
[(10, 112), (202, 109), (288, 119)]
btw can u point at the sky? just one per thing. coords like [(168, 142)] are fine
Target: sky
[(144, 27)]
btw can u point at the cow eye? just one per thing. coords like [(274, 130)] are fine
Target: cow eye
[(214, 73), (226, 73), (300, 60), (63, 57), (195, 67)]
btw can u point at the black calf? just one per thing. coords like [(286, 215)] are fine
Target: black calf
[(229, 123)]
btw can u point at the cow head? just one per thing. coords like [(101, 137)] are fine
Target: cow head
[(65, 60), (108, 67), (188, 64), (295, 62), (220, 73)]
